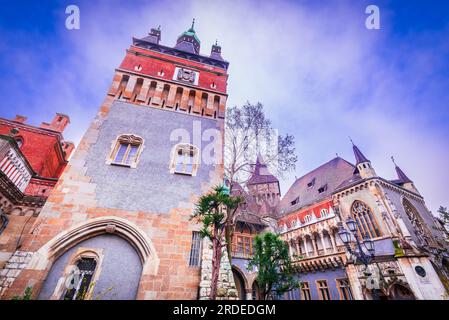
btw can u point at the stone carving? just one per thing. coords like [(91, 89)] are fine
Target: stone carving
[(186, 75)]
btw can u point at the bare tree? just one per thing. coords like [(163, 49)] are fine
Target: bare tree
[(249, 133)]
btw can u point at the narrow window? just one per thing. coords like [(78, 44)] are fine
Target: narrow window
[(345, 289), (324, 213), (323, 290), (86, 267), (126, 151), (185, 160), (307, 218), (305, 291), (195, 250), (3, 221)]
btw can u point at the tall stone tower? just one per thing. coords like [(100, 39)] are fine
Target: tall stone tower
[(120, 214)]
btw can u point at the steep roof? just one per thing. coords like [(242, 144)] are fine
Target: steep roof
[(359, 156), (401, 176), (261, 174), (304, 190)]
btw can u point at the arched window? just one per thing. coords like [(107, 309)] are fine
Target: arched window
[(324, 213), (416, 220), (184, 159), (365, 220), (307, 218), (19, 142), (3, 221), (126, 151), (81, 282)]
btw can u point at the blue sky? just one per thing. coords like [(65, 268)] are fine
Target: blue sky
[(320, 73)]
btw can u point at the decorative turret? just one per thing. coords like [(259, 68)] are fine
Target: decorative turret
[(363, 165), (215, 53), (188, 41), (403, 180), (262, 185), (154, 36)]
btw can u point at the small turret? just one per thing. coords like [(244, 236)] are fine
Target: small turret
[(363, 165), (215, 52), (403, 180), (154, 36)]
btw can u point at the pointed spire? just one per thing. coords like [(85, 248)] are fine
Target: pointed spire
[(359, 157), (400, 173), (261, 174), (188, 41)]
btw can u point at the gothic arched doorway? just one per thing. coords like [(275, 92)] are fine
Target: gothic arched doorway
[(239, 284), (400, 292), (109, 269)]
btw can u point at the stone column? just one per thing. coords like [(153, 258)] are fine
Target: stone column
[(315, 247), (334, 244), (298, 247), (323, 242)]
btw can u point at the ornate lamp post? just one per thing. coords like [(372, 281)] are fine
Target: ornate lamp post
[(365, 249)]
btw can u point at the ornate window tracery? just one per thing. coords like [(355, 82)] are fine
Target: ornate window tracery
[(365, 220), (415, 220)]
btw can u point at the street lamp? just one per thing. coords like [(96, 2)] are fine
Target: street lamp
[(364, 256)]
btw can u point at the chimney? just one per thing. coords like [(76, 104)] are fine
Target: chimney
[(59, 122), (20, 119)]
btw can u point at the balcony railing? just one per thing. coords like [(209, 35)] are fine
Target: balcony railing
[(14, 166)]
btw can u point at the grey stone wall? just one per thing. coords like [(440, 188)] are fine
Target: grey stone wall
[(150, 186)]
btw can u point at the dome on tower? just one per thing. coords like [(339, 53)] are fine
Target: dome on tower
[(188, 41)]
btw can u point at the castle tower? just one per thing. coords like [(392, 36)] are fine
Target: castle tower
[(121, 210), (363, 165), (263, 186)]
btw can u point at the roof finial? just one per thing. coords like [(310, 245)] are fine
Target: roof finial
[(216, 42), (392, 159), (193, 23), (351, 140), (159, 27)]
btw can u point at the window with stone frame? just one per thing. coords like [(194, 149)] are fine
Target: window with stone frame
[(323, 290), (195, 250), (81, 281), (305, 291), (366, 223), (185, 160), (345, 289), (416, 221), (126, 151)]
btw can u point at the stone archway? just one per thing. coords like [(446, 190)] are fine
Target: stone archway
[(240, 283), (43, 259), (400, 292)]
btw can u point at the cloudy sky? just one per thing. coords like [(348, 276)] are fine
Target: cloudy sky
[(320, 73)]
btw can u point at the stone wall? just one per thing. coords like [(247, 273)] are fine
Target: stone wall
[(226, 289), (16, 263)]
